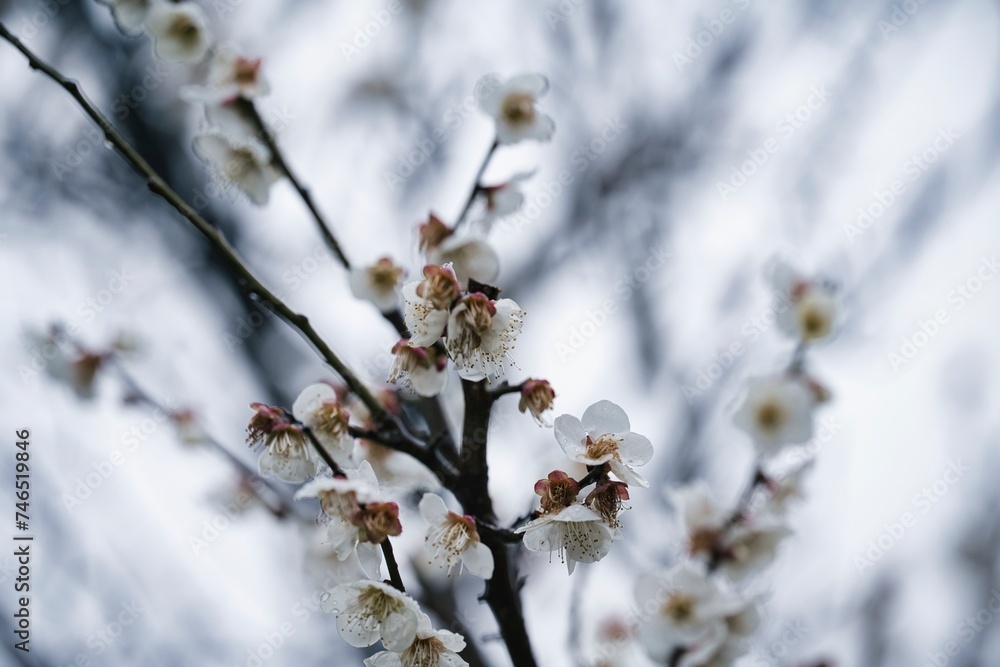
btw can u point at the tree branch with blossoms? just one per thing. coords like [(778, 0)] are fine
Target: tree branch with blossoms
[(453, 323)]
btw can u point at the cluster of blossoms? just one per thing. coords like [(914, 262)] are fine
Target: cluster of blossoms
[(232, 144), (697, 613), (582, 530)]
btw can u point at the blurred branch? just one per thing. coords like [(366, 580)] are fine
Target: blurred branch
[(158, 186), (477, 185)]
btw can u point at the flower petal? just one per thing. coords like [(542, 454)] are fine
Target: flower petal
[(478, 559), (605, 417)]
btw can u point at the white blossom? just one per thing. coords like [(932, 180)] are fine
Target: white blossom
[(481, 335), (318, 407), (576, 533), (367, 611), (288, 454), (814, 309), (777, 411), (686, 609), (452, 539), (513, 107), (751, 546), (422, 369), (502, 200), (427, 304), (339, 498), (604, 436), (180, 31), (788, 489), (378, 283), (230, 75), (430, 648), (470, 256), (246, 163)]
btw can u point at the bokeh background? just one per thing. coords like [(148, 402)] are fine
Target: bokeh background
[(852, 97)]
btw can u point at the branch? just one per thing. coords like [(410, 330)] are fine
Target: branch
[(477, 185), (386, 545), (282, 164), (158, 186)]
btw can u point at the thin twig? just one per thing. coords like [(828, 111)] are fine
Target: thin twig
[(279, 160), (477, 185), (158, 186)]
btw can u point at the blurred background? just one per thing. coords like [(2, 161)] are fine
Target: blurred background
[(858, 140)]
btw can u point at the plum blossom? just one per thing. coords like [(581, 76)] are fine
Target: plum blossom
[(513, 107), (318, 407), (230, 76), (536, 398), (481, 335), (430, 648), (686, 610), (453, 539), (788, 489), (180, 31), (504, 198), (378, 283), (603, 437), (814, 306), (367, 611), (246, 163), (428, 302), (752, 545), (340, 497), (130, 15), (702, 517), (288, 454), (470, 256), (777, 411), (575, 532), (422, 369)]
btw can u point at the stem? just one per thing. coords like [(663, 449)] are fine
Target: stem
[(477, 185), (282, 164), (472, 490), (387, 553), (158, 186)]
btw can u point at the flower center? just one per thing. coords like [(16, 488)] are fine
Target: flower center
[(474, 323), (813, 322), (440, 289), (383, 275), (423, 653), (245, 71), (770, 416), (378, 604), (241, 162), (450, 538), (184, 30), (603, 447), (703, 540), (518, 109), (679, 607), (378, 521)]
